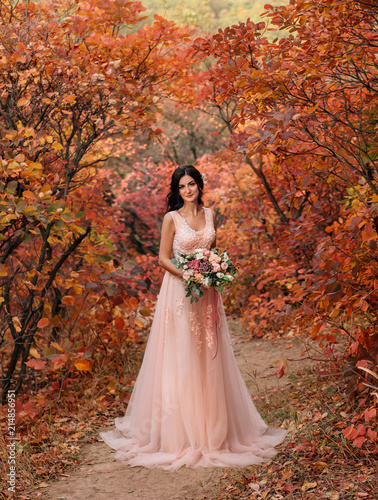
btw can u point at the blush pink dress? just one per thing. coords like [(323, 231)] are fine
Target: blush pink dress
[(190, 406)]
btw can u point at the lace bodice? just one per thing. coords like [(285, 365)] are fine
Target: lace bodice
[(187, 239)]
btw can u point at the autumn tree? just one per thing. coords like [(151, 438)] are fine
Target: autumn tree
[(303, 154), (71, 76)]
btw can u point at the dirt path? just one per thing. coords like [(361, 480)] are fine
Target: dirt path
[(101, 477)]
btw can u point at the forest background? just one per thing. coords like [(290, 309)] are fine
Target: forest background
[(101, 100)]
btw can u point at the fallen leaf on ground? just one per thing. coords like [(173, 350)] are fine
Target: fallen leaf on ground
[(320, 465), (43, 485), (254, 486), (309, 486)]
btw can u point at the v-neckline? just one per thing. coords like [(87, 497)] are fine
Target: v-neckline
[(190, 227)]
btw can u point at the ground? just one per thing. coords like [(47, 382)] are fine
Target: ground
[(101, 477)]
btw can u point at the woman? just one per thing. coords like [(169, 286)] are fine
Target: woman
[(190, 405)]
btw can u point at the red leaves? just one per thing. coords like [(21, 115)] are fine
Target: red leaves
[(68, 300), (358, 433), (43, 322), (291, 121), (37, 364), (91, 214), (372, 435), (26, 410), (370, 414), (355, 434), (119, 323), (281, 370)]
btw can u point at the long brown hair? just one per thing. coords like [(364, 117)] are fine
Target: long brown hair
[(174, 200)]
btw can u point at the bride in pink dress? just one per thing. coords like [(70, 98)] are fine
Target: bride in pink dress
[(190, 406)]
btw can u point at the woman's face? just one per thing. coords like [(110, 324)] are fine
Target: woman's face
[(188, 189)]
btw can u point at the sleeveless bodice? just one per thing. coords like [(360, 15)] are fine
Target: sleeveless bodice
[(186, 239)]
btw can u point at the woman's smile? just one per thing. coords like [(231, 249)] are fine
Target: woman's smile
[(188, 188)]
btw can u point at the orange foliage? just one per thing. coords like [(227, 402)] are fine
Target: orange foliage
[(302, 152), (294, 183), (71, 77)]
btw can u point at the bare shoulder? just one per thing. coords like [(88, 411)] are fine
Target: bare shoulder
[(168, 221), (212, 213), (168, 217)]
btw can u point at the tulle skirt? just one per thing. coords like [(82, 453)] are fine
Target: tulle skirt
[(190, 405)]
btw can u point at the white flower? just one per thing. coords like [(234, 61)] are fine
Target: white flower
[(185, 267), (199, 254), (220, 275), (212, 256), (206, 282), (225, 257), (229, 278)]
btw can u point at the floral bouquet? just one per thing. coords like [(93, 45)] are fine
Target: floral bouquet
[(205, 268)]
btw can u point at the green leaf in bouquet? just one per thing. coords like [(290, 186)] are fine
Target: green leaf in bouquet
[(174, 261)]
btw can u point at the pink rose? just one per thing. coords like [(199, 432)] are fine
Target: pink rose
[(206, 252), (212, 256), (224, 266), (186, 275), (216, 267)]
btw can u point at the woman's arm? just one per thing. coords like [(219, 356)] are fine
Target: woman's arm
[(215, 227), (166, 242)]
